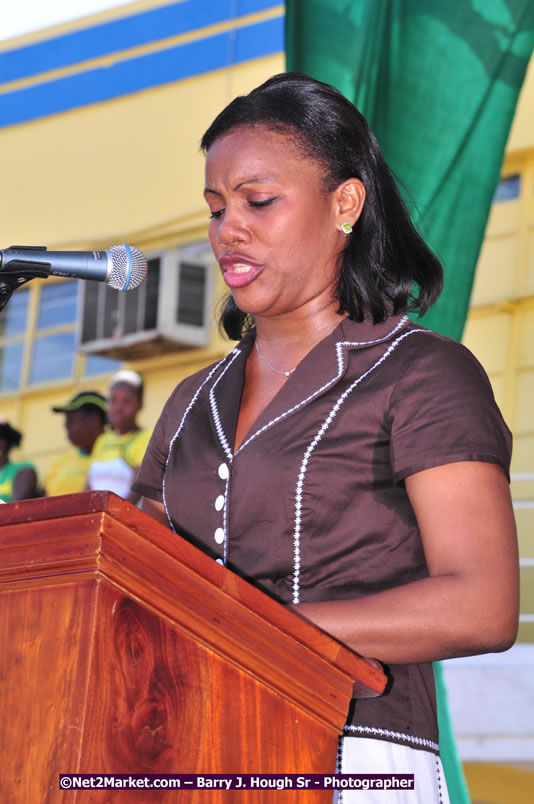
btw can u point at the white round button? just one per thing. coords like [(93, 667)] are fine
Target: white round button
[(219, 535), (224, 472), (220, 561), (219, 502)]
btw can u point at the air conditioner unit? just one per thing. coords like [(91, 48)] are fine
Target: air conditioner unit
[(171, 310)]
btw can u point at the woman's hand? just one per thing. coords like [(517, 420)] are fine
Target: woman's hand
[(470, 602)]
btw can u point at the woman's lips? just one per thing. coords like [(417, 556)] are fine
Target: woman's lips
[(237, 272)]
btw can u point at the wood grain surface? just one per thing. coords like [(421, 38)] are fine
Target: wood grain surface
[(127, 650)]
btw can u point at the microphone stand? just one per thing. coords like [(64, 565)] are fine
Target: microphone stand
[(20, 272)]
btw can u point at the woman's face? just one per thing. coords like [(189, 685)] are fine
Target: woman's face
[(273, 229), (123, 407)]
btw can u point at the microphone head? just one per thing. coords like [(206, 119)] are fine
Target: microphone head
[(128, 267)]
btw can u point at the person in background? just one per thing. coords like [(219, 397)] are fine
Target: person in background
[(85, 420), (118, 453), (18, 481)]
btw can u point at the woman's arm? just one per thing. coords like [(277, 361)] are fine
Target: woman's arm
[(470, 602)]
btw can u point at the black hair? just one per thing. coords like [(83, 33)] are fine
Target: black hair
[(386, 267), (89, 408), (11, 436)]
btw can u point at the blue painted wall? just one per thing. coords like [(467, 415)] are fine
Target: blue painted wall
[(141, 72)]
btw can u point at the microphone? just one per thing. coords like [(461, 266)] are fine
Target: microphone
[(121, 267)]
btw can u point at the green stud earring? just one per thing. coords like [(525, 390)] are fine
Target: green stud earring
[(346, 228)]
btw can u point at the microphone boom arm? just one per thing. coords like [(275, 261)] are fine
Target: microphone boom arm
[(20, 272)]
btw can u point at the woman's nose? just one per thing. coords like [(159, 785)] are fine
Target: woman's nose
[(232, 229), (229, 240)]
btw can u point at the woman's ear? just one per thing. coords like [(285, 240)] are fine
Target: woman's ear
[(350, 198)]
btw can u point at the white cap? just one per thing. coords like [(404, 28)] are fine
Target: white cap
[(128, 377)]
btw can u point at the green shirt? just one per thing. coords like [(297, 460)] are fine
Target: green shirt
[(8, 474)]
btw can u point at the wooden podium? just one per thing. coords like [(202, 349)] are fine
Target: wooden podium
[(125, 649)]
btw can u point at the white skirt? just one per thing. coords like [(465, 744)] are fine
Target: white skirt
[(367, 756)]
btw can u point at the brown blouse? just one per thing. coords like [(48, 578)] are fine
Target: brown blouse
[(312, 506)]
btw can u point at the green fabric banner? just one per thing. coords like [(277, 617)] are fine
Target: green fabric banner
[(438, 81)]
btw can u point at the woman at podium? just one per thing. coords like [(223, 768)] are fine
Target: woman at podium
[(351, 463)]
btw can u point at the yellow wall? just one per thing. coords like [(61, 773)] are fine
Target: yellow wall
[(127, 170), (500, 328)]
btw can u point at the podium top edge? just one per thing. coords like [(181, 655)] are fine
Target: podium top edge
[(173, 548)]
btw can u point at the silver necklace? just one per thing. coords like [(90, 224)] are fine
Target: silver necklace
[(284, 373)]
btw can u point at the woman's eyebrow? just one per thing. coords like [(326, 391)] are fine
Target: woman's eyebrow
[(256, 180), (253, 180)]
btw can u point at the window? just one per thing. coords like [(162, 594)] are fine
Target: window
[(508, 188), (53, 346), (52, 358), (13, 323), (15, 315), (94, 364), (38, 337), (10, 366)]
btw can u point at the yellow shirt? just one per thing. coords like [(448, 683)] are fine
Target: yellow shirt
[(68, 474), (115, 460)]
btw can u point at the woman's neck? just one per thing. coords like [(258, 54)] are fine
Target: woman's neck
[(295, 332), (281, 345)]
